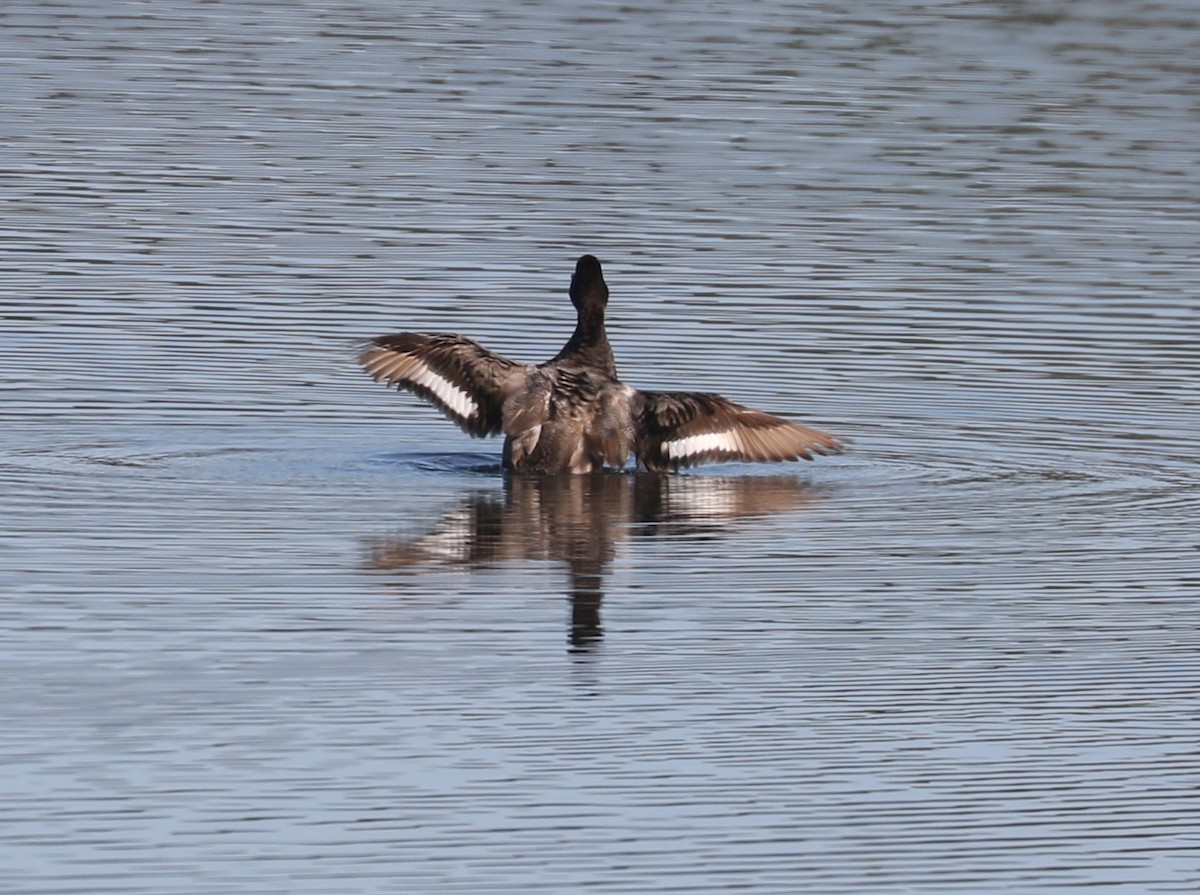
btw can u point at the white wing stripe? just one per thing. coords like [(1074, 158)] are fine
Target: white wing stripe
[(447, 392), (698, 444)]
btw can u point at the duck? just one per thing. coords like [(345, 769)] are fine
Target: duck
[(571, 414)]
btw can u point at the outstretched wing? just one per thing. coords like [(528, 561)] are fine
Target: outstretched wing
[(688, 428), (461, 378)]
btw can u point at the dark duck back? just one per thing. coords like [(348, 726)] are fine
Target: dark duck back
[(571, 414)]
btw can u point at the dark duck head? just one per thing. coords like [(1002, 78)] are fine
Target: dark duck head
[(589, 295), (589, 292)]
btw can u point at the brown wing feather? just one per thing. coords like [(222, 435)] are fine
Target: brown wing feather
[(464, 380), (688, 428)]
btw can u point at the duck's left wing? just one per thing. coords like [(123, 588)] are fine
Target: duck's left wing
[(677, 429), (464, 380)]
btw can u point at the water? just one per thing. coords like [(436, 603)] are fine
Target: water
[(268, 627)]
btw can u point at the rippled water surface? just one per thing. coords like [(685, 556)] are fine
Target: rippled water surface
[(266, 627)]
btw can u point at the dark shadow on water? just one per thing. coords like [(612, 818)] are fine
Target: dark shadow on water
[(579, 520)]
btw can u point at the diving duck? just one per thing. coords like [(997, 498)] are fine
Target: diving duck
[(572, 414)]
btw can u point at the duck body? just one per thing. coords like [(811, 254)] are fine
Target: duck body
[(572, 414)]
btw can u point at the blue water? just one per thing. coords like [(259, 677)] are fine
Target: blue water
[(267, 627)]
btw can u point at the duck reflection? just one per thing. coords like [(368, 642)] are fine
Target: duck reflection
[(579, 519)]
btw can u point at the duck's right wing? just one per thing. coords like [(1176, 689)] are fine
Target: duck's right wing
[(464, 380), (677, 429)]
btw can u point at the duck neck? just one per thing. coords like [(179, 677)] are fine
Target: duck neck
[(589, 342)]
